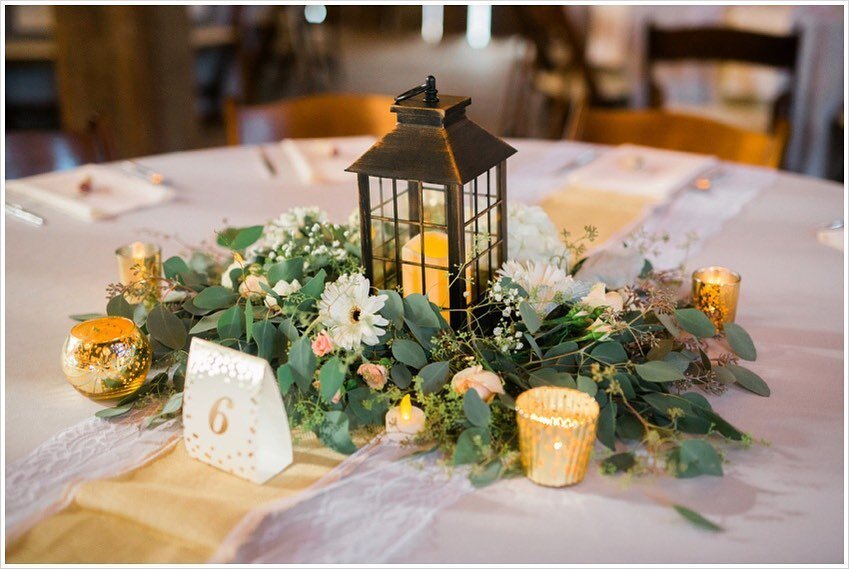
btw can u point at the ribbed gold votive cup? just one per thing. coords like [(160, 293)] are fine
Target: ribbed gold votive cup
[(557, 428), (715, 292), (137, 262), (107, 358)]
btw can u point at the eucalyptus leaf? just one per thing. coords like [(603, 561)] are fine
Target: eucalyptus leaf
[(118, 306), (417, 309), (331, 377), (695, 457), (315, 286), (606, 430), (610, 353), (303, 362), (215, 297), (695, 322), (409, 352), (550, 376), (587, 385), (619, 462), (174, 267), (334, 432), (749, 380), (434, 375), (740, 341), (166, 328), (658, 372), (86, 316), (470, 443), (393, 308), (110, 412), (245, 237), (174, 403), (696, 518), (270, 342), (529, 317), (485, 475), (207, 323), (401, 375), (288, 329), (476, 411), (285, 378), (287, 271), (231, 324), (249, 320), (724, 375)]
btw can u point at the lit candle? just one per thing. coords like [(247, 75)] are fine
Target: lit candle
[(715, 292), (405, 420), (435, 246), (136, 262)]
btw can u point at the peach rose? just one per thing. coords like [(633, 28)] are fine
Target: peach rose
[(374, 374), (322, 344), (486, 383), (252, 287)]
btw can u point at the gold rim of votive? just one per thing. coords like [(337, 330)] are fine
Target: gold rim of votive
[(85, 330), (703, 274), (149, 250)]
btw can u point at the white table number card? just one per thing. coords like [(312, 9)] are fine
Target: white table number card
[(233, 414)]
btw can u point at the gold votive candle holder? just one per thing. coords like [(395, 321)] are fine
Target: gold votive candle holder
[(139, 262), (715, 292), (106, 358), (557, 428)]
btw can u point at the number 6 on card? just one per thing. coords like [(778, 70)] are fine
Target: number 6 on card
[(233, 415)]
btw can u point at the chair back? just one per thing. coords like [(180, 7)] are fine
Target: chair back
[(718, 44), (672, 131), (314, 116), (31, 152)]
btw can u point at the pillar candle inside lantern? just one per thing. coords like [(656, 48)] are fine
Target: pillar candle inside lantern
[(435, 245)]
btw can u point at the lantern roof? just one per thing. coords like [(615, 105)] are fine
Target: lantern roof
[(433, 142)]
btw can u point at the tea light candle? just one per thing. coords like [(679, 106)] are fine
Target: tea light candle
[(138, 261), (405, 420), (557, 427), (715, 292), (435, 246)]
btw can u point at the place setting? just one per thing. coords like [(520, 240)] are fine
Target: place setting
[(510, 350)]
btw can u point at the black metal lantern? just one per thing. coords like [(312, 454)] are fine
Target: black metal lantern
[(433, 210)]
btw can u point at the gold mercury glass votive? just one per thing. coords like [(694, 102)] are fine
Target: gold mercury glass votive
[(106, 358), (136, 262), (557, 428), (715, 292)]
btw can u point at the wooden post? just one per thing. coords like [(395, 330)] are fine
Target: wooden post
[(132, 65)]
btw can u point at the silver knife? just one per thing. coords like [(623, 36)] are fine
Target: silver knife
[(24, 215)]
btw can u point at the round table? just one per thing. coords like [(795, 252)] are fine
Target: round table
[(779, 502)]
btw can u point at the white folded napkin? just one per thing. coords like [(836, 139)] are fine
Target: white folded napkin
[(323, 160), (112, 193), (641, 171)]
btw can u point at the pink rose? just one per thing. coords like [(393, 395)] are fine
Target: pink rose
[(374, 374), (322, 344), (486, 383)]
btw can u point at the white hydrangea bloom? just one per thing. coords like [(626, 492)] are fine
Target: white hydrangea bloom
[(531, 235)]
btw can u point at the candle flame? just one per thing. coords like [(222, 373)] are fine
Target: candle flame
[(405, 408), (138, 250)]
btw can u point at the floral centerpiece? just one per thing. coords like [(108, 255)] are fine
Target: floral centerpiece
[(293, 292)]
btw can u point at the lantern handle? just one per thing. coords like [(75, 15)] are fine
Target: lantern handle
[(428, 88)]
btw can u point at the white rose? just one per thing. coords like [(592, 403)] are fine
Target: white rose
[(283, 289), (597, 297)]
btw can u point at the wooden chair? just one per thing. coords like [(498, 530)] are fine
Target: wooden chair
[(31, 152), (310, 117), (672, 131), (717, 44)]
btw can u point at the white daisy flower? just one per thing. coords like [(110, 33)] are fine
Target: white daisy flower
[(350, 314), (546, 285)]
